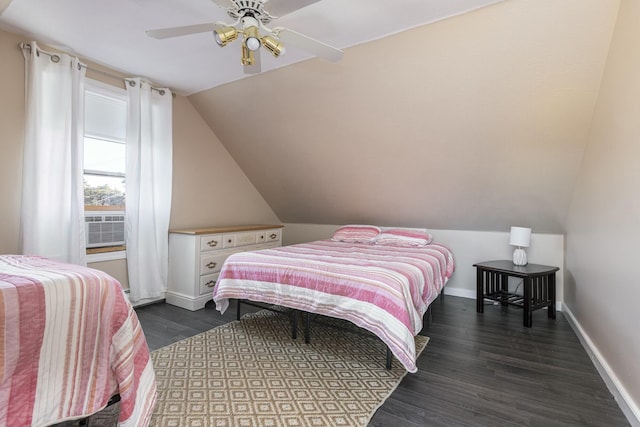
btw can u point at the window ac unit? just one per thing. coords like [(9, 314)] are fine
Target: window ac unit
[(104, 229)]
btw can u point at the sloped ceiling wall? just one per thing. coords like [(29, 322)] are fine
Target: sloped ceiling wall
[(477, 122)]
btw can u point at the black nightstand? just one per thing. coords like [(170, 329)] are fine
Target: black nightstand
[(539, 287)]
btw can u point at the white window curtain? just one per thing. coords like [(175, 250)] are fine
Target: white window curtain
[(52, 212), (148, 183)]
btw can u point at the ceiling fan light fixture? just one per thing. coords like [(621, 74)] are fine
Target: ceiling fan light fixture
[(273, 45), (252, 38), (225, 35), (250, 19), (247, 56)]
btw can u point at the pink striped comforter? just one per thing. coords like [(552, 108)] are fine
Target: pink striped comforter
[(384, 289), (69, 340)]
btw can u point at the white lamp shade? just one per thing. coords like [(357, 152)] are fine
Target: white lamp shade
[(520, 237)]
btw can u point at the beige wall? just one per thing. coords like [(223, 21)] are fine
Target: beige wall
[(115, 268), (11, 138), (603, 225), (209, 189), (477, 122)]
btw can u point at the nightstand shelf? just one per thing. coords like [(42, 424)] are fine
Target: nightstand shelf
[(509, 298)]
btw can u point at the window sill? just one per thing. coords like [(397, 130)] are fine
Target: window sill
[(111, 254)]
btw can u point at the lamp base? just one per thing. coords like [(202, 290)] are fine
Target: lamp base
[(519, 257)]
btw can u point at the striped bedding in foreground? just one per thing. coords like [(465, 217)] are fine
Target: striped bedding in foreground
[(69, 340), (384, 289)]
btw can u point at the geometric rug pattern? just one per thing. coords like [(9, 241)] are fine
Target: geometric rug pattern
[(251, 373)]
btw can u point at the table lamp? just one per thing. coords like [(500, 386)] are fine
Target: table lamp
[(520, 237)]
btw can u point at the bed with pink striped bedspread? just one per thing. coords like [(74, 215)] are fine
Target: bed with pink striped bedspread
[(69, 341), (384, 289)]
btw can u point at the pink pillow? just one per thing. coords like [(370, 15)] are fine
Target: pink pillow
[(356, 234), (404, 237)]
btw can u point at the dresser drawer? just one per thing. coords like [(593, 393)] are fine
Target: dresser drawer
[(238, 239), (208, 283), (210, 264), (273, 235), (211, 242), (266, 246), (229, 241), (244, 239)]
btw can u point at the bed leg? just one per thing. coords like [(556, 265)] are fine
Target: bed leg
[(294, 324), (307, 328), (238, 310), (389, 355), (429, 316)]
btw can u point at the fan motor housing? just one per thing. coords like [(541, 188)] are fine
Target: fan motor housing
[(254, 8)]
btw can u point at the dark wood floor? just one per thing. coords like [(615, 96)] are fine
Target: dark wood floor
[(477, 370)]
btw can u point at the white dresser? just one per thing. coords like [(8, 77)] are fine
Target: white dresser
[(196, 257)]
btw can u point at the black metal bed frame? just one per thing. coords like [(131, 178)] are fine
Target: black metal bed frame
[(114, 399), (292, 313), (283, 310)]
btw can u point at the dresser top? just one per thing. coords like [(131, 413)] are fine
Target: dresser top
[(229, 229)]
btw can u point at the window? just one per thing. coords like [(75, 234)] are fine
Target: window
[(104, 166)]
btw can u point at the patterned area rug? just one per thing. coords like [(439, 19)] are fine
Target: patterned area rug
[(252, 373)]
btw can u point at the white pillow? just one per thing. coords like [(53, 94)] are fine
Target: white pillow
[(356, 233), (404, 237)]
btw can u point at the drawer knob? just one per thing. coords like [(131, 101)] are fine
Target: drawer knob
[(210, 284), (212, 264), (212, 243), (273, 235)]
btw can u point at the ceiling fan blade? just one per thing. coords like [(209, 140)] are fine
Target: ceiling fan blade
[(257, 64), (293, 38), (4, 4), (164, 33), (225, 3), (279, 8)]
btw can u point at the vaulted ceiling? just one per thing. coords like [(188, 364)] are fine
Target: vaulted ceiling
[(112, 33), (475, 122)]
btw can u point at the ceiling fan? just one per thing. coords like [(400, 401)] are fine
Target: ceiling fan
[(251, 18)]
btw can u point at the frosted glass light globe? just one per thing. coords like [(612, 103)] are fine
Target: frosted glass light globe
[(253, 43)]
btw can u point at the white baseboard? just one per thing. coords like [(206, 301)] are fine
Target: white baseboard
[(620, 394), (464, 293), (186, 301)]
